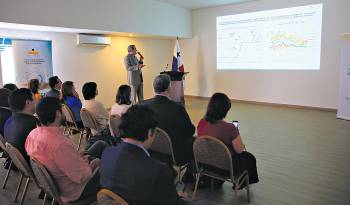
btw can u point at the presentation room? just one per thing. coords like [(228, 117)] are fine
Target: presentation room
[(169, 102)]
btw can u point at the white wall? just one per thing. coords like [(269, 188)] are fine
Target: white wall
[(307, 88), (104, 65), (135, 16)]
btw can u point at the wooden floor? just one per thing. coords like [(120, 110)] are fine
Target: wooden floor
[(303, 156)]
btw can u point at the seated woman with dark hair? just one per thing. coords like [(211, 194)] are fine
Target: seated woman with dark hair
[(213, 125), (33, 86), (70, 97), (122, 102)]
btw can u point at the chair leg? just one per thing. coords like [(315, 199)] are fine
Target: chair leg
[(18, 187), (53, 202), (65, 130), (247, 187), (80, 138), (24, 191), (44, 199), (236, 192), (179, 175), (196, 186), (212, 183), (7, 176), (88, 135)]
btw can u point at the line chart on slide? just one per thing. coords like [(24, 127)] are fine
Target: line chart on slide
[(277, 39)]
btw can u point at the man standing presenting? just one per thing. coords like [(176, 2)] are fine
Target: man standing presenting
[(133, 67)]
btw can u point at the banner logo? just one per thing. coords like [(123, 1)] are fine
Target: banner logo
[(33, 52), (4, 43)]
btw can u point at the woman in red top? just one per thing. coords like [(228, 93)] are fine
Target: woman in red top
[(213, 125)]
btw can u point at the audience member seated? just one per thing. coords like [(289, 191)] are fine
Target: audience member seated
[(5, 110), (55, 86), (33, 85), (76, 177), (11, 86), (22, 121), (95, 107), (128, 169), (213, 125), (172, 118), (5, 113), (71, 98), (123, 101)]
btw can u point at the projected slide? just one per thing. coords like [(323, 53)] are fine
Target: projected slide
[(282, 39)]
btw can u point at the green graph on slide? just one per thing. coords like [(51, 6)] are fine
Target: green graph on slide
[(282, 40)]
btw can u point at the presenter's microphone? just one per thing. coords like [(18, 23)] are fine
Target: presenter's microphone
[(140, 54)]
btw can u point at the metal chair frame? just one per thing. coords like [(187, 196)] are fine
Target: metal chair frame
[(237, 181), (114, 121), (161, 133), (3, 147), (71, 124), (105, 194), (89, 122), (48, 185), (24, 168)]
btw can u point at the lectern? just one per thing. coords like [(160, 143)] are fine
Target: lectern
[(177, 85)]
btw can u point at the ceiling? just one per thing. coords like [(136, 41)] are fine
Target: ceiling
[(75, 30), (198, 4)]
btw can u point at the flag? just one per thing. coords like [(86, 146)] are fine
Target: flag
[(177, 66)]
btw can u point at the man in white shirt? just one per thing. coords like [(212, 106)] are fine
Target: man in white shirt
[(95, 107)]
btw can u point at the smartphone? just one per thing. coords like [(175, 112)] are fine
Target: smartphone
[(235, 122)]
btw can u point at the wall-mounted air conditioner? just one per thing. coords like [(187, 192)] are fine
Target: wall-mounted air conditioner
[(95, 40)]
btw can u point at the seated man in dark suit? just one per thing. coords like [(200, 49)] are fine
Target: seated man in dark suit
[(173, 119), (22, 121), (5, 110), (128, 169)]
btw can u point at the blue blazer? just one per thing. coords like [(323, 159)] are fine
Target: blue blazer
[(128, 171)]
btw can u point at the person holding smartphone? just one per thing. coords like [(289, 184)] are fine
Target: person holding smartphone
[(213, 125)]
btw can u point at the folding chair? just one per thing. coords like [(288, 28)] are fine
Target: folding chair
[(211, 151)]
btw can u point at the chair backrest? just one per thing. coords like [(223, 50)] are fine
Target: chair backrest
[(162, 143), (88, 120), (114, 122), (18, 160), (44, 180), (68, 114), (211, 151), (2, 143), (107, 197)]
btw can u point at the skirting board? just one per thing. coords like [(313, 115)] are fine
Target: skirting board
[(269, 104)]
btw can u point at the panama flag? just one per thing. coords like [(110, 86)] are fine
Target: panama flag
[(177, 66)]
